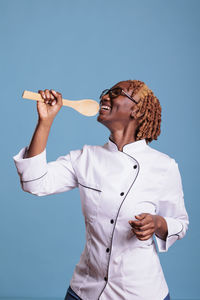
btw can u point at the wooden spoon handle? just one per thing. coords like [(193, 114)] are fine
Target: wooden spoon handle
[(87, 107), (36, 96)]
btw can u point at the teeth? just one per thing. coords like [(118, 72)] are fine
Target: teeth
[(105, 107)]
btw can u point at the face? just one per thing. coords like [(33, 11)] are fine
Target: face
[(119, 111)]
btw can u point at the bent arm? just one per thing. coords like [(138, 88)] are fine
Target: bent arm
[(36, 175), (46, 114), (172, 209)]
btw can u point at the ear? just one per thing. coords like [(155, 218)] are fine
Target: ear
[(134, 112)]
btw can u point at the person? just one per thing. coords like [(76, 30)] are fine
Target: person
[(131, 194)]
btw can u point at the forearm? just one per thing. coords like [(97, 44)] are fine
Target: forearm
[(161, 230), (39, 139)]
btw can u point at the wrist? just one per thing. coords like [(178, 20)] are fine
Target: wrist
[(158, 222), (161, 227), (45, 123)]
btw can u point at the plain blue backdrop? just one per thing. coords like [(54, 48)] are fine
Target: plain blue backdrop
[(80, 48)]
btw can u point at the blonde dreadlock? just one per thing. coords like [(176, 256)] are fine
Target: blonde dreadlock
[(148, 113)]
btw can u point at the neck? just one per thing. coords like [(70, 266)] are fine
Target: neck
[(121, 138)]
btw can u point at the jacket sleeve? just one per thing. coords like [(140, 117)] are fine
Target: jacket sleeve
[(41, 178), (172, 208)]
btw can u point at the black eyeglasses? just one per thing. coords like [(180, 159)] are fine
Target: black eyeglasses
[(115, 92)]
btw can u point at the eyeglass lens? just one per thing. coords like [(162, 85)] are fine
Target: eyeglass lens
[(112, 92)]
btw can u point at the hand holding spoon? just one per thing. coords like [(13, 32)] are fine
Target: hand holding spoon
[(86, 107)]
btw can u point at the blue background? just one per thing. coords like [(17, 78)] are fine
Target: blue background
[(80, 48)]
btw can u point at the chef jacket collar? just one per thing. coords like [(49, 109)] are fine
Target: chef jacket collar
[(128, 148)]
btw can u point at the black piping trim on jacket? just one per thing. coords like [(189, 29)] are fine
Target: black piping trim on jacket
[(88, 187), (24, 181), (177, 232), (116, 220)]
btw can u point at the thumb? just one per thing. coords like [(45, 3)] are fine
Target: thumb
[(140, 216)]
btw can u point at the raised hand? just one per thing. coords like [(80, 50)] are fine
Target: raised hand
[(51, 106)]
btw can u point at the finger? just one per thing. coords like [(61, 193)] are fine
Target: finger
[(143, 234), (146, 227), (58, 97), (135, 224), (48, 95), (42, 94), (138, 224), (145, 219), (53, 102), (52, 97), (145, 238), (141, 216), (54, 93)]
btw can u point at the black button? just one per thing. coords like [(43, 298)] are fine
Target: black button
[(105, 278), (111, 221), (107, 250), (122, 194), (135, 166)]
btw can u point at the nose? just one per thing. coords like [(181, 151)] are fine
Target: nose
[(105, 97), (105, 100)]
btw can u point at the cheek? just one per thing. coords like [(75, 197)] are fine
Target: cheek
[(122, 109)]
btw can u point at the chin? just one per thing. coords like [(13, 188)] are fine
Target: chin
[(100, 118), (104, 122)]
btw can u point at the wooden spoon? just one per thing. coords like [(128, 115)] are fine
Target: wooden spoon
[(86, 107)]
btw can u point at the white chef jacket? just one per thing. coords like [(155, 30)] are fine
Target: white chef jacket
[(114, 187)]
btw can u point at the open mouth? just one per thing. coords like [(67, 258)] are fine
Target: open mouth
[(105, 107)]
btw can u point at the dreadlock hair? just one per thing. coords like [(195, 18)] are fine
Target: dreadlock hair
[(148, 112)]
